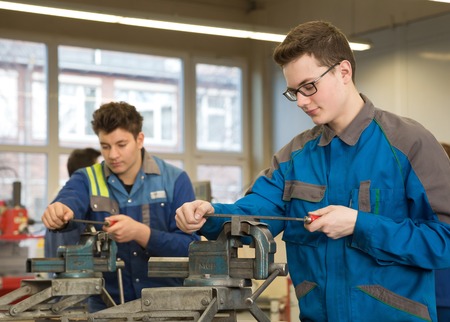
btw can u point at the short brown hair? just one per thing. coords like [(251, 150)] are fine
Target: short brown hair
[(446, 148), (81, 158), (319, 39), (114, 115)]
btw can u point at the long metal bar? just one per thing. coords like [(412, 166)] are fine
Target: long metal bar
[(306, 219), (93, 222)]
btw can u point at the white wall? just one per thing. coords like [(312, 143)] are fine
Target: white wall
[(408, 72), (288, 119)]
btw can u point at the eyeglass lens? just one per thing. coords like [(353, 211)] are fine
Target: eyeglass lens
[(307, 89)]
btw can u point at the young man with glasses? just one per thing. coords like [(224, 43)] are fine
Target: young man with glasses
[(379, 184)]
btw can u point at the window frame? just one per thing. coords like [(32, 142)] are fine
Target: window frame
[(232, 158), (190, 156)]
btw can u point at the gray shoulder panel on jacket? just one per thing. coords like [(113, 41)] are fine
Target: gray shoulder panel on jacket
[(425, 154)]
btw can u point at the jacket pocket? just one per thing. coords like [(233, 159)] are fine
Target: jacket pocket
[(311, 309), (104, 204), (302, 197), (385, 305), (303, 191), (379, 201)]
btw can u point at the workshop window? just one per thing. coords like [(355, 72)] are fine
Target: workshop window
[(219, 137), (79, 96), (90, 77), (23, 95), (46, 110), (226, 181), (219, 108), (23, 115)]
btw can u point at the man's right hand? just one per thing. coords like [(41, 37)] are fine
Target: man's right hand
[(189, 216), (56, 215)]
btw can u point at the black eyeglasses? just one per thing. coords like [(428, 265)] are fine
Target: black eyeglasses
[(307, 89)]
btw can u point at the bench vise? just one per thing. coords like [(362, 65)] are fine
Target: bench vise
[(217, 282), (95, 252), (78, 275)]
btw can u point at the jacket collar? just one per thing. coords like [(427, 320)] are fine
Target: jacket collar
[(354, 130), (149, 165)]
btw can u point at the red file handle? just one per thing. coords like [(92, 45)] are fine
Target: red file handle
[(310, 218), (109, 223)]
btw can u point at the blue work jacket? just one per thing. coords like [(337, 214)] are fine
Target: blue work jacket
[(95, 193), (395, 173)]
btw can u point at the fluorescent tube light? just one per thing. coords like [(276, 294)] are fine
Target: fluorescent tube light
[(84, 15), (148, 23), (359, 46)]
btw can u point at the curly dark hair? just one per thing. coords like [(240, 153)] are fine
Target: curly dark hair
[(318, 39), (114, 115)]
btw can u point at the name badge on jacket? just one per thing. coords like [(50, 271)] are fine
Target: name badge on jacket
[(158, 194)]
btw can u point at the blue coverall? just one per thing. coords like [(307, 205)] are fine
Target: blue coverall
[(396, 174), (95, 193)]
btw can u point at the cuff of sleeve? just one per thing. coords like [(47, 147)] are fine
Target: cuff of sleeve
[(213, 226), (155, 236), (362, 235)]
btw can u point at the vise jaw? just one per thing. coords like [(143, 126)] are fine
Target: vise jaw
[(216, 262), (95, 253)]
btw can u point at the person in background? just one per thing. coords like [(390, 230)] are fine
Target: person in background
[(443, 280), (135, 190), (81, 158), (78, 158), (378, 183)]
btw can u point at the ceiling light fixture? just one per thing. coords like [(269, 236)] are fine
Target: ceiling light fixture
[(359, 45), (149, 23)]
